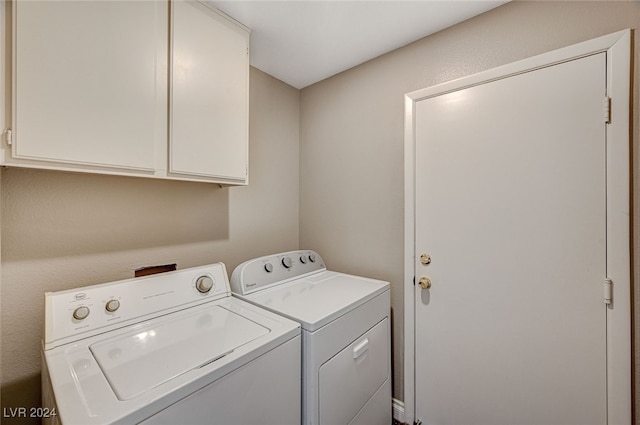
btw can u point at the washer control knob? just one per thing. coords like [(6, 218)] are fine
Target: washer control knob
[(81, 312), (112, 305), (303, 259), (312, 258), (268, 267), (204, 284), (286, 262)]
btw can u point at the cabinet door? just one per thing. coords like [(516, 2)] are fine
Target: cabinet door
[(209, 94), (89, 86)]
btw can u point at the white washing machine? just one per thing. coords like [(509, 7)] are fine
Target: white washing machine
[(171, 348), (346, 352)]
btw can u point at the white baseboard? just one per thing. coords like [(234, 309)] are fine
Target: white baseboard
[(398, 411)]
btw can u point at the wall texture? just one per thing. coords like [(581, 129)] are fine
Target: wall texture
[(65, 230), (351, 142)]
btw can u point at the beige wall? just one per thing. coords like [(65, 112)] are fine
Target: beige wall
[(64, 230), (351, 142)]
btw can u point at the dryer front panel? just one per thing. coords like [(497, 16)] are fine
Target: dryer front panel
[(350, 378)]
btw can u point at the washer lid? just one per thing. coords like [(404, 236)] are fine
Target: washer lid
[(320, 298), (151, 355)]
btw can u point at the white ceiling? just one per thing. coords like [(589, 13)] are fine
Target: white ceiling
[(305, 41)]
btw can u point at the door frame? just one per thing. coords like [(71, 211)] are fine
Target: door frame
[(619, 360)]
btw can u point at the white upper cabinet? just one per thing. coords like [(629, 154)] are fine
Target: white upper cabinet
[(209, 97), (144, 88), (86, 87)]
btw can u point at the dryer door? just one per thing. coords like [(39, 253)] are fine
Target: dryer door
[(350, 378), (153, 354)]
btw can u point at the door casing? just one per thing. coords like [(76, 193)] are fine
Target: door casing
[(618, 49)]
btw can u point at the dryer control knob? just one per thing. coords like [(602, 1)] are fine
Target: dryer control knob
[(312, 258), (81, 312), (268, 267), (112, 305), (303, 259), (204, 284), (286, 262)]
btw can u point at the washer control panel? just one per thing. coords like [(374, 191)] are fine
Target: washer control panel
[(264, 272), (82, 312)]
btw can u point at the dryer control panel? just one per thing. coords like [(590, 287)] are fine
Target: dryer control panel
[(78, 313), (264, 272)]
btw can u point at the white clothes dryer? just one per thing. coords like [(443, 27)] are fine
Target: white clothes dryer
[(171, 348), (346, 353)]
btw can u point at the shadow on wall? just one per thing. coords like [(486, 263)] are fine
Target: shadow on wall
[(17, 402), (55, 214)]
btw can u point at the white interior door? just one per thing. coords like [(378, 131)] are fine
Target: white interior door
[(510, 204)]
